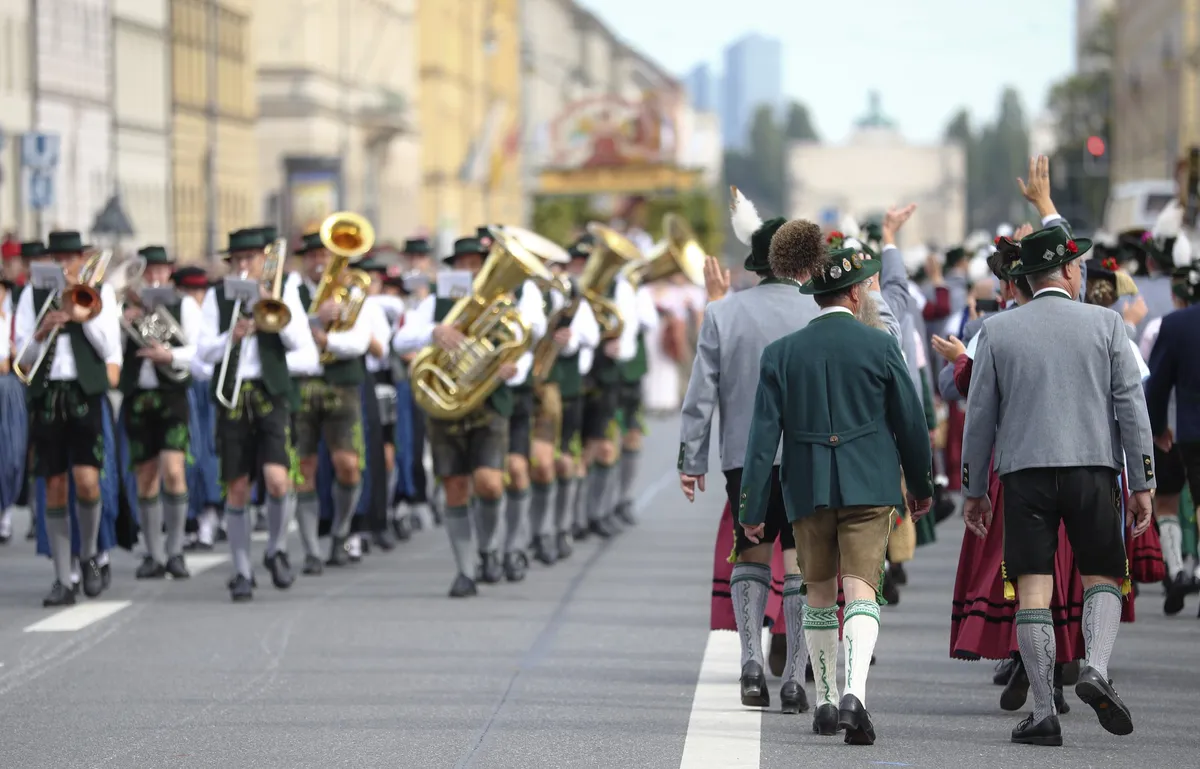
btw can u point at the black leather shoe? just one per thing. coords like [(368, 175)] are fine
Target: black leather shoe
[(241, 589), (825, 720), (562, 546), (899, 575), (580, 533), (490, 569), (59, 595), (1094, 690), (403, 527), (150, 569), (543, 550), (93, 580), (281, 570), (855, 719), (1177, 590), (338, 554), (1016, 691), (1070, 673), (312, 566), (1046, 732), (777, 655), (463, 587), (808, 674), (177, 568), (385, 540), (624, 513), (1060, 702), (1004, 670), (515, 566), (600, 529), (792, 698), (891, 591), (754, 686)]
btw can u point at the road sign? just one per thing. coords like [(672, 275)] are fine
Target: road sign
[(39, 190), (40, 150)]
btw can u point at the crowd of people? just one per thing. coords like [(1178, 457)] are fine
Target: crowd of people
[(864, 397)]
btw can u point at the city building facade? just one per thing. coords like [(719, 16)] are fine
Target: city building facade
[(703, 88), (1156, 77), (214, 163), (336, 125), (1088, 16), (142, 117), (16, 113), (753, 77)]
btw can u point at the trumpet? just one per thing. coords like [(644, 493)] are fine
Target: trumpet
[(271, 314), (348, 237), (84, 293), (231, 402)]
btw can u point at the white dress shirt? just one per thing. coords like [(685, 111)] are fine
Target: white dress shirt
[(647, 313), (532, 307), (625, 299), (381, 331), (103, 331), (182, 356), (211, 341), (6, 326), (585, 332)]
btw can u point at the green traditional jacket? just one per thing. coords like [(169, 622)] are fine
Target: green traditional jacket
[(839, 395), (90, 371), (131, 366), (500, 401), (347, 372), (271, 355)]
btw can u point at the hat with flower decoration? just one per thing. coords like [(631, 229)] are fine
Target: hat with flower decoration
[(752, 231), (843, 268), (1046, 249)]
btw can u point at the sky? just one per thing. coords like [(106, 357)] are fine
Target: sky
[(927, 58)]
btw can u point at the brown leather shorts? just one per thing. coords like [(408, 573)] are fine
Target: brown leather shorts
[(547, 413), (852, 539)]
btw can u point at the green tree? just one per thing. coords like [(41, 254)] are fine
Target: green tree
[(799, 125), (996, 154)]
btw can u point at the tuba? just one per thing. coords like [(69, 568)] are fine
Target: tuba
[(154, 327), (678, 252), (84, 293), (348, 237), (271, 314), (450, 384), (612, 254)]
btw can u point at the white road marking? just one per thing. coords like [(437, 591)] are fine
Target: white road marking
[(721, 733), (198, 564), (78, 617)]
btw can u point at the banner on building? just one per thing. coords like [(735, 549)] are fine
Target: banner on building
[(314, 191)]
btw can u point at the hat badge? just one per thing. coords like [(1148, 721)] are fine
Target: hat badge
[(846, 265), (1061, 249), (835, 272), (1048, 255)]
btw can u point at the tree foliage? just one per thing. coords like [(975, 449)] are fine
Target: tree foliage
[(562, 218), (996, 153)]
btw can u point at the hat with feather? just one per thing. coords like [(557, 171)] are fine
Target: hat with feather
[(751, 230), (849, 235), (1173, 248)]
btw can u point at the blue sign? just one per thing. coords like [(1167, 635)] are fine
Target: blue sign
[(829, 217), (39, 189), (40, 150)]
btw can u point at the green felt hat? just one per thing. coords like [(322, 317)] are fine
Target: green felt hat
[(844, 267), (249, 239), (154, 255), (1185, 282), (582, 248), (67, 242), (33, 249), (269, 233), (1046, 249), (466, 246), (371, 264), (309, 241), (760, 245), (417, 247), (954, 256)]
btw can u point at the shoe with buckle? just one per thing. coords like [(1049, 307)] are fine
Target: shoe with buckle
[(93, 580)]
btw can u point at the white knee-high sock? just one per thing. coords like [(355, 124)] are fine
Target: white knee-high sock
[(860, 631), (821, 635), (1171, 537)]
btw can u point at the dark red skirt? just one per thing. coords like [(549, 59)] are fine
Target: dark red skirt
[(981, 618), (721, 616), (956, 419)]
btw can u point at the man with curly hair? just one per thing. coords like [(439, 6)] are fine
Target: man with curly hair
[(733, 334)]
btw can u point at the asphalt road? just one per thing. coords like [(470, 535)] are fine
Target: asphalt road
[(592, 663)]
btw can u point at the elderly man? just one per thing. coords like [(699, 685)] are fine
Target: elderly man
[(1056, 393)]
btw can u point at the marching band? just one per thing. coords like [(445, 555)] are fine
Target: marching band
[(165, 407)]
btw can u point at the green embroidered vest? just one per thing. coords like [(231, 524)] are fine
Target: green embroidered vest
[(131, 367), (347, 372), (90, 370), (500, 401), (271, 354)]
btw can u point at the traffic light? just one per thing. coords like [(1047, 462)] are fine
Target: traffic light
[(1095, 156)]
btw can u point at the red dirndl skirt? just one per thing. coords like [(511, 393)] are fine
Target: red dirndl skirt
[(982, 619), (722, 616), (956, 420)]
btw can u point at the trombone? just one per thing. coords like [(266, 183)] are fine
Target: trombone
[(231, 402)]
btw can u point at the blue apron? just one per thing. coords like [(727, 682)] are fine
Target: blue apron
[(203, 470), (14, 439), (404, 488)]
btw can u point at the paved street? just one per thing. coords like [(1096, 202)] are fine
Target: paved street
[(598, 662)]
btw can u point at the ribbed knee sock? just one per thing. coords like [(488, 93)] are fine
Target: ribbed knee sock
[(58, 531), (151, 510), (821, 636), (458, 528), (539, 508), (237, 529), (629, 468), (488, 524), (175, 513), (1101, 620), (793, 611), (89, 527), (278, 510), (1035, 639), (515, 511), (860, 631), (749, 584), (308, 514), (1171, 536)]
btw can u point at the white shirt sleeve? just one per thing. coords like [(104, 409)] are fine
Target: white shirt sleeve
[(296, 334), (24, 329), (626, 302), (417, 331), (210, 342), (585, 331), (346, 345), (1143, 369), (533, 309), (647, 312), (190, 321), (104, 330)]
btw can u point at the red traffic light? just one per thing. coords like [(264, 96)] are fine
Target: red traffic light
[(1095, 146)]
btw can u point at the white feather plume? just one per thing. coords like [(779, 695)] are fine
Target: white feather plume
[(977, 240), (1105, 238), (852, 243), (745, 218), (1005, 230), (914, 257), (1169, 222), (1181, 254), (977, 269), (849, 228)]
